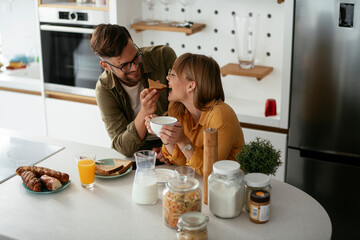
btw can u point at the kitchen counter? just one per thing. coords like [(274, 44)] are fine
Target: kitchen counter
[(23, 79), (108, 212)]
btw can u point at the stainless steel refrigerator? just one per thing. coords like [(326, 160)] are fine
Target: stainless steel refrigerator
[(323, 154)]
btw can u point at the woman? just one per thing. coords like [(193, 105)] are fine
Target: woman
[(197, 100)]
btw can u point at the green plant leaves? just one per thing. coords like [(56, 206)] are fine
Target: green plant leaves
[(259, 156)]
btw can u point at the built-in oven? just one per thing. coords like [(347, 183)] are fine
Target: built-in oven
[(69, 65)]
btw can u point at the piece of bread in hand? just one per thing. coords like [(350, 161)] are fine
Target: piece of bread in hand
[(119, 167), (156, 85)]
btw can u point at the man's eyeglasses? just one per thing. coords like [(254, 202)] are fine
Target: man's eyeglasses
[(125, 67)]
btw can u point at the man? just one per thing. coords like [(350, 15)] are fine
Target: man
[(121, 91)]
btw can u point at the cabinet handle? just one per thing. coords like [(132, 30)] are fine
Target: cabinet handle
[(53, 28), (71, 97)]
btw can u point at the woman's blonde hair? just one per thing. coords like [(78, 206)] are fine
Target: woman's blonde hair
[(206, 73)]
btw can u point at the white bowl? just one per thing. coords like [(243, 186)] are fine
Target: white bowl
[(156, 123)]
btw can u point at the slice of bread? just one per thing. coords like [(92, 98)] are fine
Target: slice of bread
[(156, 85), (127, 164), (119, 167)]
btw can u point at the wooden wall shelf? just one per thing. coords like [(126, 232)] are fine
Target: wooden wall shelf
[(234, 69), (141, 26)]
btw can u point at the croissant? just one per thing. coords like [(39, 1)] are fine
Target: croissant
[(62, 177), (31, 181), (50, 183)]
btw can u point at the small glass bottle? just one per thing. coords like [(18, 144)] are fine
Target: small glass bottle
[(259, 206), (192, 225), (255, 181), (226, 189), (181, 195)]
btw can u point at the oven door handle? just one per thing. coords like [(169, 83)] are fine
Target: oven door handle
[(53, 28)]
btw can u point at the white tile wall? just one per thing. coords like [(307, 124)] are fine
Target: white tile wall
[(218, 41)]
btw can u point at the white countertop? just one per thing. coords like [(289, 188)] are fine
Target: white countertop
[(108, 212), (24, 79)]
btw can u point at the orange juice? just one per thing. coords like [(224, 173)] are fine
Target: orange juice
[(86, 171)]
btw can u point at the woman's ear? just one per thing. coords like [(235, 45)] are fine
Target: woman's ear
[(191, 86)]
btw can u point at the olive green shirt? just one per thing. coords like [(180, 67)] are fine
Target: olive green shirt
[(114, 103)]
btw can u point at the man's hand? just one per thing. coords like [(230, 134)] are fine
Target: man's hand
[(148, 101), (148, 106), (160, 156)]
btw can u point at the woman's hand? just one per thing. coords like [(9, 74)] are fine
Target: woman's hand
[(173, 134), (147, 122)]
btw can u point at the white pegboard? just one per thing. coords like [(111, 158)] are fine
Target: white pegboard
[(218, 41)]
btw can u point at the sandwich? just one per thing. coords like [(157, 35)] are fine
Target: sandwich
[(156, 85), (112, 167)]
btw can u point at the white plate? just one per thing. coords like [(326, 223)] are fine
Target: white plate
[(163, 174)]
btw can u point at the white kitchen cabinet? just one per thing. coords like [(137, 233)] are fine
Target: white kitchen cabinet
[(22, 112), (278, 140), (78, 122)]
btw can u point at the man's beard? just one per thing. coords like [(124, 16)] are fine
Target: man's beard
[(125, 79)]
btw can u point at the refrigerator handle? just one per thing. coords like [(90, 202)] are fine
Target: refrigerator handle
[(342, 158)]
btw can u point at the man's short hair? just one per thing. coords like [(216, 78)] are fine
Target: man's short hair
[(109, 40)]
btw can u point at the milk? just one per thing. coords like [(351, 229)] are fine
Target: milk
[(145, 190), (164, 120), (226, 202)]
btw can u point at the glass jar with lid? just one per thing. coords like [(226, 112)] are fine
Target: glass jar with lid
[(226, 189), (255, 181), (192, 225), (181, 195)]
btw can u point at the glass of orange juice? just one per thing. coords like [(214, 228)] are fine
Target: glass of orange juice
[(86, 167)]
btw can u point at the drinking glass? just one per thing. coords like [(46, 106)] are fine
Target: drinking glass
[(150, 4), (246, 33), (166, 4), (185, 171), (86, 166), (185, 3)]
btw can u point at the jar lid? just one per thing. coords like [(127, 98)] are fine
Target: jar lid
[(226, 167), (257, 180), (260, 196), (182, 184), (192, 221)]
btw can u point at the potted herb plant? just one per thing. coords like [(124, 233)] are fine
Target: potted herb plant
[(259, 156)]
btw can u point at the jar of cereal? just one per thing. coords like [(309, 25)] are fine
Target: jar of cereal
[(181, 195)]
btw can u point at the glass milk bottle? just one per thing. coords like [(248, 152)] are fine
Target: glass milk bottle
[(226, 189), (145, 189)]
